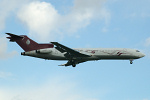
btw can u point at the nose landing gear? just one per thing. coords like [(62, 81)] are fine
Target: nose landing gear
[(131, 61)]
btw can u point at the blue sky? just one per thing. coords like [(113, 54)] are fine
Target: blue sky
[(76, 24)]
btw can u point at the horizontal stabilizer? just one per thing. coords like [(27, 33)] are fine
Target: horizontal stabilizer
[(13, 37)]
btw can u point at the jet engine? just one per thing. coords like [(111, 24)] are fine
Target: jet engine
[(44, 51)]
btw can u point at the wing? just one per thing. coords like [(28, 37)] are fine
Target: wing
[(70, 52), (72, 55)]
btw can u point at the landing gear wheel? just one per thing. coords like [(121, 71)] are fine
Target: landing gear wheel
[(73, 65), (131, 61)]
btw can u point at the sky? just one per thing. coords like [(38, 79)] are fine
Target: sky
[(76, 24)]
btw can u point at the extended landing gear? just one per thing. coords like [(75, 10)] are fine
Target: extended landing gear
[(131, 61), (73, 65)]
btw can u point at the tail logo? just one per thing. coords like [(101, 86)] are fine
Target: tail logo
[(28, 42)]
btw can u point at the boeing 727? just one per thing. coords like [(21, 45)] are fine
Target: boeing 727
[(57, 51)]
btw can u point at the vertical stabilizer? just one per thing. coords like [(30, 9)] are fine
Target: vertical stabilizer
[(26, 43)]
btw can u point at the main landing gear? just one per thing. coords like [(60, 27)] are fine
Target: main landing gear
[(131, 61), (74, 65)]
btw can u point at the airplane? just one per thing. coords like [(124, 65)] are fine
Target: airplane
[(57, 51)]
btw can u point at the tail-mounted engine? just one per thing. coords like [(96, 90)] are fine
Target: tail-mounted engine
[(43, 51)]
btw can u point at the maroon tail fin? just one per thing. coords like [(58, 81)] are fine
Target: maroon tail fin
[(26, 43)]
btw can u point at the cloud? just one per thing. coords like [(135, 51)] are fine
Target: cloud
[(4, 75), (145, 99), (139, 15), (8, 8), (56, 89), (45, 23), (147, 47), (4, 12), (3, 50), (147, 42), (84, 11), (41, 18), (138, 9), (104, 29)]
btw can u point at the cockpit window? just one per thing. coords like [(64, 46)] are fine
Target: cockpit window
[(137, 51)]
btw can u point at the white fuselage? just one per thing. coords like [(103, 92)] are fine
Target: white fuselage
[(57, 51), (96, 54)]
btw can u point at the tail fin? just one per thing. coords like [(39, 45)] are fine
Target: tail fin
[(26, 43)]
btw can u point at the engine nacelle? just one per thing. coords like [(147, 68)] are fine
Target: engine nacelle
[(44, 51)]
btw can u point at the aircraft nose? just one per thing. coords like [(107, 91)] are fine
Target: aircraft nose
[(141, 55)]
